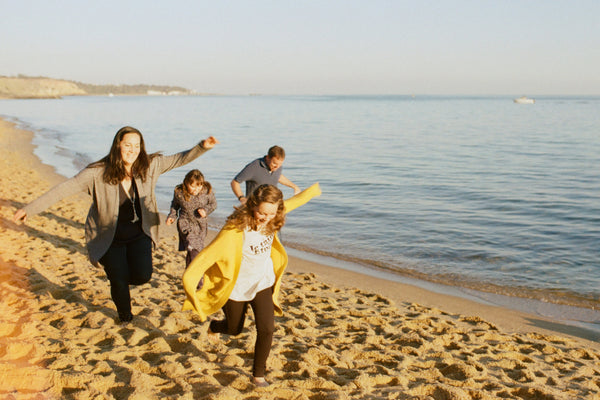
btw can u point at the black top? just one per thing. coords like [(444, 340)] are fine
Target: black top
[(129, 222)]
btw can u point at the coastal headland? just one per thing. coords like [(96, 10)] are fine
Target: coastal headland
[(25, 87), (343, 335)]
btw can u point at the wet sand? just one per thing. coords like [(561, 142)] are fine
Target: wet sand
[(343, 335)]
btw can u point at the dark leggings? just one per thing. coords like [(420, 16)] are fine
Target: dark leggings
[(264, 316), (127, 264), (189, 257)]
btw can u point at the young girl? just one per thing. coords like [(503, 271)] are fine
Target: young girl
[(243, 266), (194, 200)]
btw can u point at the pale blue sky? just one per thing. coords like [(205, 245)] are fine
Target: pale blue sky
[(514, 47)]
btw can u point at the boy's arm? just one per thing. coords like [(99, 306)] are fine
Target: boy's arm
[(285, 181)]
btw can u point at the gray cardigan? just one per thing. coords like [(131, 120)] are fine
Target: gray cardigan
[(101, 222)]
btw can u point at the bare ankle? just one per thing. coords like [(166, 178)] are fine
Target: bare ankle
[(213, 337), (260, 381)]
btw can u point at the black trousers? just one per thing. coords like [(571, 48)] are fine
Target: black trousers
[(127, 264), (264, 316)]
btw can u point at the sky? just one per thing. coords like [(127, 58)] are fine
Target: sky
[(472, 47)]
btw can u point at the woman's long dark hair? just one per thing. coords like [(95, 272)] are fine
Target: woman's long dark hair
[(114, 170)]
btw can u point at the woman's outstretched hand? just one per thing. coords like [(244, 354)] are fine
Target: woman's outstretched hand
[(20, 215), (209, 142)]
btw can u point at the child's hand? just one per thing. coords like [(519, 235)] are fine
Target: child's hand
[(170, 221), (20, 216), (201, 212)]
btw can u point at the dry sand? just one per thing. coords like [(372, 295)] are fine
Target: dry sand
[(343, 335)]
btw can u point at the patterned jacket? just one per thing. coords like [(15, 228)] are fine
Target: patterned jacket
[(190, 225)]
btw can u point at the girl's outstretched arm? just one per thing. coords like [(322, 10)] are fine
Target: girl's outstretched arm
[(302, 198)]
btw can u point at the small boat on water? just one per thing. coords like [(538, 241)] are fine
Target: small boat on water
[(524, 100)]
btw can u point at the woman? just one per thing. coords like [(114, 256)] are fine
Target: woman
[(122, 223), (242, 267)]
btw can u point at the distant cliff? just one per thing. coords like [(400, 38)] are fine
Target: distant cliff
[(37, 88), (23, 87)]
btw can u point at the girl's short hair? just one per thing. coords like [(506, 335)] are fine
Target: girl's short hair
[(243, 217), (193, 176)]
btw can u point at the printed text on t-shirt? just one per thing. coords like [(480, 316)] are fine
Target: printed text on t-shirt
[(263, 246)]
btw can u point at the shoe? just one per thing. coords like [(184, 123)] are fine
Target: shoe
[(124, 318), (260, 382)]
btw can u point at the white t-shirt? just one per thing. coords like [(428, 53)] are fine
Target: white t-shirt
[(256, 271)]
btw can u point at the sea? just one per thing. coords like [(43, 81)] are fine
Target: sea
[(474, 196)]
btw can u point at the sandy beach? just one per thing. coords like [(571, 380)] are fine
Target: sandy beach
[(343, 335)]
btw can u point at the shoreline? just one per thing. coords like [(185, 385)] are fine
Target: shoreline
[(582, 308), (333, 317), (315, 262), (584, 321), (549, 317), (528, 269), (567, 308)]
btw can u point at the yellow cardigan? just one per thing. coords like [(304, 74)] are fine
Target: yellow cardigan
[(219, 264)]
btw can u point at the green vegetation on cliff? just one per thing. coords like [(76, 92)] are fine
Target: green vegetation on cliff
[(140, 89)]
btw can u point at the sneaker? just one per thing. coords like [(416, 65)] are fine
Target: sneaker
[(124, 318)]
